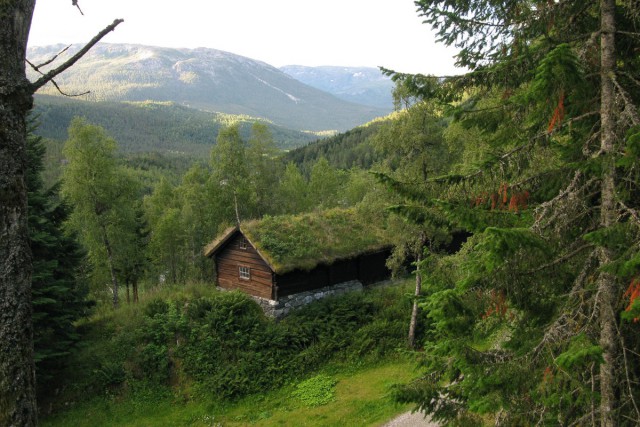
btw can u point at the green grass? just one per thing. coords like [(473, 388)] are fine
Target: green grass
[(362, 399), (304, 241)]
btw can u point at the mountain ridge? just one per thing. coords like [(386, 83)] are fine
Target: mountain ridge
[(203, 78), (362, 85)]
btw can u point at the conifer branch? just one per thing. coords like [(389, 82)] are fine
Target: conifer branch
[(46, 78), (560, 259)]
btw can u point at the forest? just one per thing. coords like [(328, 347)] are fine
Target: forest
[(533, 156)]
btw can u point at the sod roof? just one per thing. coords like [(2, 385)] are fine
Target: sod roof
[(290, 242)]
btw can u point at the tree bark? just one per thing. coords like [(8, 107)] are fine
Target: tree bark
[(414, 312), (135, 291), (17, 373), (606, 282), (112, 270)]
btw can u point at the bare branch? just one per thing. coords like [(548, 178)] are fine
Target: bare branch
[(75, 3), (46, 78), (631, 211), (633, 113), (37, 67), (565, 325), (628, 33), (70, 95), (626, 372), (631, 77), (54, 82)]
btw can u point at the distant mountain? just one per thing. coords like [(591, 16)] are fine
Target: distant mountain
[(362, 85), (151, 126), (206, 79)]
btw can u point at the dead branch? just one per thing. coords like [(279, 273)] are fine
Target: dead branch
[(568, 192), (631, 211), (75, 3), (629, 105), (36, 68), (564, 326), (46, 78), (626, 371), (70, 95)]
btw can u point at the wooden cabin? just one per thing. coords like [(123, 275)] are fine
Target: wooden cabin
[(281, 256)]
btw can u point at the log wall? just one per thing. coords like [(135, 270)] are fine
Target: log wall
[(232, 257)]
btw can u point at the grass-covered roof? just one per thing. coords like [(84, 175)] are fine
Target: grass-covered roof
[(291, 242)]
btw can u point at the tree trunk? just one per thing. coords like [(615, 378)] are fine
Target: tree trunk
[(126, 283), (414, 311), (114, 279), (135, 291), (17, 374), (606, 282)]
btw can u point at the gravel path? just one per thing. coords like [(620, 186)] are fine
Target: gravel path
[(408, 419)]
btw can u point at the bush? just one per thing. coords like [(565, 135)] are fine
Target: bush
[(222, 344)]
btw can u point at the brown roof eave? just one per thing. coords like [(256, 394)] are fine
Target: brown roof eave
[(213, 247)]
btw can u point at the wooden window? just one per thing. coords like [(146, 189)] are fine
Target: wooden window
[(243, 244), (244, 273)]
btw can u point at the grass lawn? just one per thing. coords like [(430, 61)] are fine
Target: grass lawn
[(361, 399)]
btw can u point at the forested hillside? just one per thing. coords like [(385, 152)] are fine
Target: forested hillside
[(151, 126)]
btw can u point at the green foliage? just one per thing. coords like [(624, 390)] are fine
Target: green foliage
[(167, 128), (57, 287), (219, 345), (353, 148), (316, 391), (510, 328), (105, 204), (580, 354)]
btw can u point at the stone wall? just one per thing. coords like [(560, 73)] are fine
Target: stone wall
[(281, 308)]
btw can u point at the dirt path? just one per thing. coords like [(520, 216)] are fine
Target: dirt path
[(408, 419)]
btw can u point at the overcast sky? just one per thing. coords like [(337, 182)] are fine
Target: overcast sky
[(373, 33)]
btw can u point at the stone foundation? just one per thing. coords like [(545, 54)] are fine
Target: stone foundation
[(279, 309)]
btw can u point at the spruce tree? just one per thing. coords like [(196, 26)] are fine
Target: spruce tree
[(58, 292), (529, 322)]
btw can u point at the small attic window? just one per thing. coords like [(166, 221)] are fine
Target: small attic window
[(244, 272), (243, 243)]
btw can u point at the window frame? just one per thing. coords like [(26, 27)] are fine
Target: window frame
[(244, 272)]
